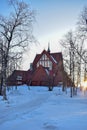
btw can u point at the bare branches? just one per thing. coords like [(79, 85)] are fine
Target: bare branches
[(15, 32), (82, 23), (74, 44)]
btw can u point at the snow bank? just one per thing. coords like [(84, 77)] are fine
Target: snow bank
[(40, 109)]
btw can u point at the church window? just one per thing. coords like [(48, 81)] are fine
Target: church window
[(45, 62)]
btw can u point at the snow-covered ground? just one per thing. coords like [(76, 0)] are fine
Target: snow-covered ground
[(39, 109)]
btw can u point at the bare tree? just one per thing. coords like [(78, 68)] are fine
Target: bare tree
[(82, 33), (82, 23), (1, 53), (69, 44), (85, 67), (16, 34)]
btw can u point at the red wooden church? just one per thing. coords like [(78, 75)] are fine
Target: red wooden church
[(46, 69)]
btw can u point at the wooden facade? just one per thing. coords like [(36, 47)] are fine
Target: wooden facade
[(18, 77), (47, 68)]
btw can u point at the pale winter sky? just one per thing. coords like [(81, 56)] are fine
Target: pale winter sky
[(54, 18)]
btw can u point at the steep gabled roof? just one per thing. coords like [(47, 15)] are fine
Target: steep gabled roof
[(57, 56), (37, 58), (54, 57)]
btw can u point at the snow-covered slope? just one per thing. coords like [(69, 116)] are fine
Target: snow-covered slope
[(39, 109)]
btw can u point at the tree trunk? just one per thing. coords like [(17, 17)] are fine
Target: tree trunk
[(4, 80), (1, 85), (71, 91)]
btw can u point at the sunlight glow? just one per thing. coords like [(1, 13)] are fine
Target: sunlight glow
[(84, 84)]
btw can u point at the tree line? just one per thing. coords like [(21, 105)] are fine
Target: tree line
[(75, 52)]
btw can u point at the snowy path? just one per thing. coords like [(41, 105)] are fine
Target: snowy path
[(11, 113), (39, 109)]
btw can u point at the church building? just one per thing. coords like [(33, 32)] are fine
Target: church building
[(46, 69)]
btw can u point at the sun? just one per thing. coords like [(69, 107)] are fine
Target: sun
[(84, 84)]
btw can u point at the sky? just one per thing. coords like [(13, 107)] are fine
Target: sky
[(54, 18)]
